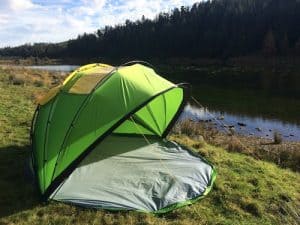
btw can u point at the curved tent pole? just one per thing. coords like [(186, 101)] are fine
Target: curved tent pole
[(61, 177), (33, 121), (49, 118), (137, 61)]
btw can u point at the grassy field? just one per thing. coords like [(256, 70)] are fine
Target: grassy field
[(247, 191)]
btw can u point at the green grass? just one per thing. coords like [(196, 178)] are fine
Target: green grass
[(16, 109), (246, 191)]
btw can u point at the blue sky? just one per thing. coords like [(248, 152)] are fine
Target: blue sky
[(29, 21)]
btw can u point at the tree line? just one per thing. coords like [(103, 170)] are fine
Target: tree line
[(214, 29)]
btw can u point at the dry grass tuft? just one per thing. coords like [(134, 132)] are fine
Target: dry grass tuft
[(37, 78), (17, 79), (39, 83), (235, 145), (188, 127), (277, 138)]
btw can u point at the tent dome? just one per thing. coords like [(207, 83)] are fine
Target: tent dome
[(99, 138)]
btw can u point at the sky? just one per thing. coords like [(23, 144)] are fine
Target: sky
[(30, 21)]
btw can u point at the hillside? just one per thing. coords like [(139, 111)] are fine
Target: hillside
[(208, 29), (247, 191)]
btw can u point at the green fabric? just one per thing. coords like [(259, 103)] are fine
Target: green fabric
[(155, 116), (39, 139), (53, 121), (57, 142)]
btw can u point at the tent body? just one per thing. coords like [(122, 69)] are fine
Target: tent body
[(98, 141)]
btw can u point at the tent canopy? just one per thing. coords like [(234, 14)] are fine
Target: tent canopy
[(103, 111)]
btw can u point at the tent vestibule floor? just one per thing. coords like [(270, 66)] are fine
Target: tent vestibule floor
[(126, 173)]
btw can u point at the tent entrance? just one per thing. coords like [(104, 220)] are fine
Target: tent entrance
[(126, 173)]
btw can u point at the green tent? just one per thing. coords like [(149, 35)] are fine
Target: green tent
[(99, 140)]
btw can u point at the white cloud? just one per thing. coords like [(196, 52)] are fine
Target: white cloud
[(28, 21), (16, 5)]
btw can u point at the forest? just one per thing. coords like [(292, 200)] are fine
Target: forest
[(208, 29)]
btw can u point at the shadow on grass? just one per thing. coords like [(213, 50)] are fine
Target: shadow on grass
[(17, 191)]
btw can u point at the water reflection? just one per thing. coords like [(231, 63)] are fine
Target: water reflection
[(246, 125)]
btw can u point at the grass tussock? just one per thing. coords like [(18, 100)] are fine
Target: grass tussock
[(17, 79), (277, 138), (23, 76), (246, 191), (284, 154), (235, 145), (187, 127), (36, 80)]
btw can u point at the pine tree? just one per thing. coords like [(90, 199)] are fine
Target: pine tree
[(269, 45), (284, 45), (297, 47)]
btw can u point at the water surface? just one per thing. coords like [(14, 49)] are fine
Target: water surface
[(251, 125), (57, 68), (260, 112)]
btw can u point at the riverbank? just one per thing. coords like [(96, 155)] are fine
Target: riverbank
[(29, 61), (248, 189), (285, 154), (276, 76), (20, 75)]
